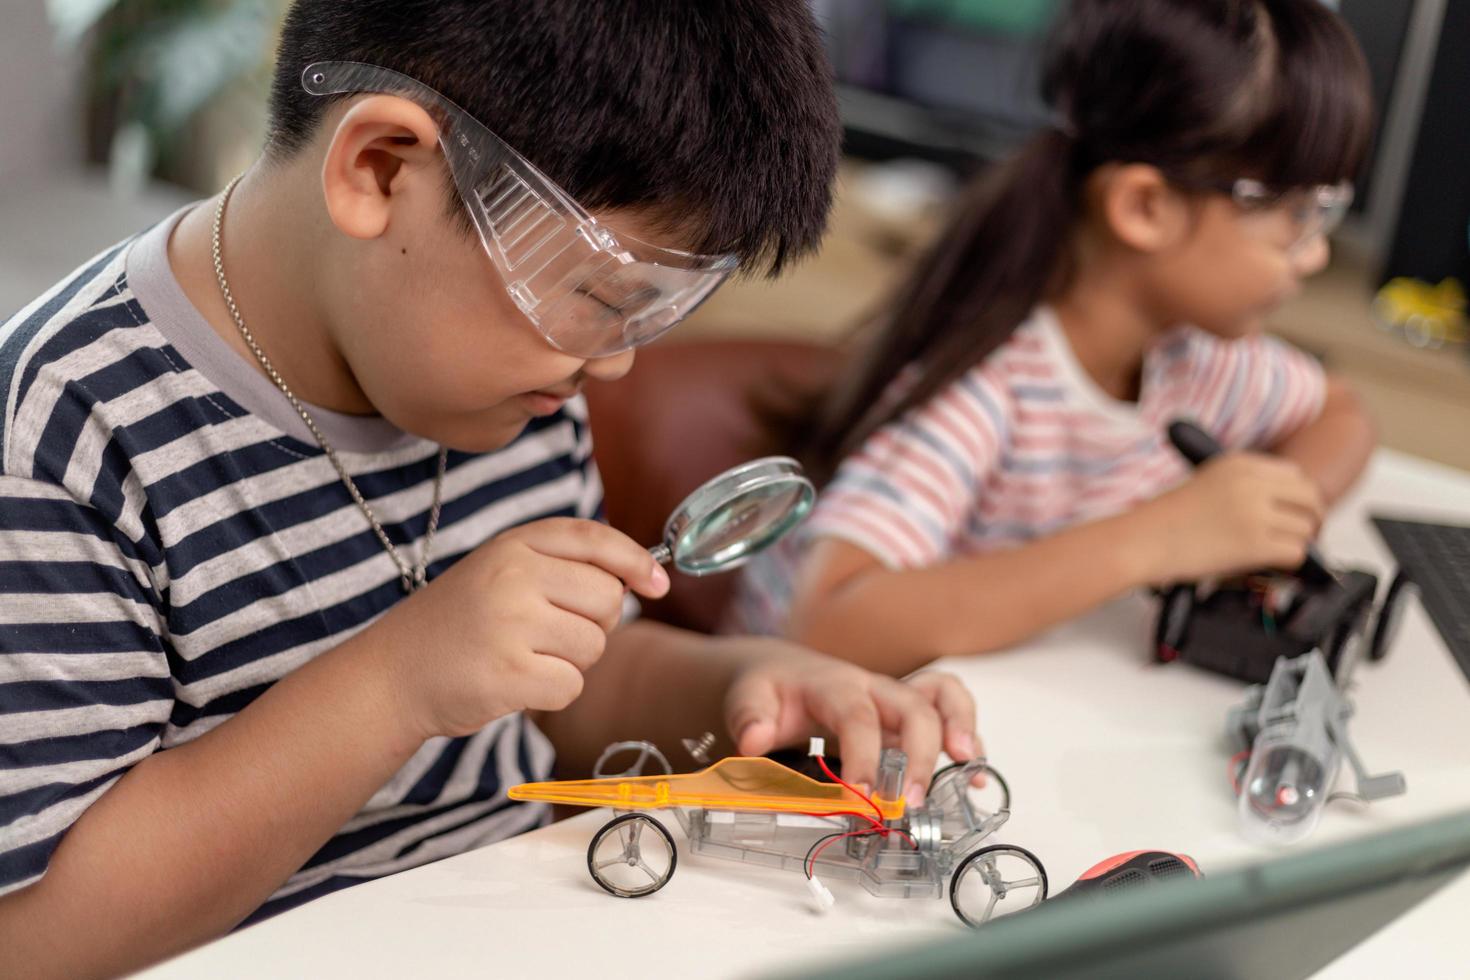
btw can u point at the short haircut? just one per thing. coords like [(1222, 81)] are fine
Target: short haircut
[(718, 118)]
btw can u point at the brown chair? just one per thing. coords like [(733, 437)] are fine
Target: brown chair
[(686, 412)]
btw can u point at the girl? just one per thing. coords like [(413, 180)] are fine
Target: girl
[(1003, 463)]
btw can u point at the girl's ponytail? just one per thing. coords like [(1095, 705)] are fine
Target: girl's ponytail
[(1003, 250)]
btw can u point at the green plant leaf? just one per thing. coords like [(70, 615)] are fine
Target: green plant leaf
[(177, 66)]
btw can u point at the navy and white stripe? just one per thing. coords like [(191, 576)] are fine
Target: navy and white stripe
[(167, 554)]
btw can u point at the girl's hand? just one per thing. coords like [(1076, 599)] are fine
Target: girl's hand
[(1239, 512), (787, 693)]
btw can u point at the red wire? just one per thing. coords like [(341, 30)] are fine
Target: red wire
[(811, 867), (821, 761), (878, 826), (903, 833)]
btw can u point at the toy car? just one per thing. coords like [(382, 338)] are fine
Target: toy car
[(760, 811), (1240, 627)]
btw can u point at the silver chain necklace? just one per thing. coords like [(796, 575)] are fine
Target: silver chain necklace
[(412, 576)]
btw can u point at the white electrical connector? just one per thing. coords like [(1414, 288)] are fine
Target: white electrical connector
[(817, 746), (821, 896)]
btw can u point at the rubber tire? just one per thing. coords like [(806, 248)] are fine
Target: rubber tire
[(970, 859), (1005, 787), (602, 832), (1390, 615)]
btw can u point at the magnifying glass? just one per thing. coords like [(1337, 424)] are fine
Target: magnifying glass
[(739, 513)]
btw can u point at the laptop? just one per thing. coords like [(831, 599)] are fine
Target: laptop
[(1436, 559), (1285, 919)]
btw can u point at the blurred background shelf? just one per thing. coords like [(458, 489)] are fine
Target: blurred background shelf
[(931, 91), (952, 83), (1419, 398)]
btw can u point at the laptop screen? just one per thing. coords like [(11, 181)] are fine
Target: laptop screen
[(1285, 919)]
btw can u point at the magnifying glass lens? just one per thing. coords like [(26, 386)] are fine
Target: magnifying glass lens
[(726, 537), (737, 514)]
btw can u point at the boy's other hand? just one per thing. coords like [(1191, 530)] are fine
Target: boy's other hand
[(787, 693), (514, 624), (1238, 513)]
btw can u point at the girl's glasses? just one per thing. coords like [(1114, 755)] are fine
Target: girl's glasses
[(1311, 211)]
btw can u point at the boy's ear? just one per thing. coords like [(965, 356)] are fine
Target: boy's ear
[(1141, 209), (379, 143)]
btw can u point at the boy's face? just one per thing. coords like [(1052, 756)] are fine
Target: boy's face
[(1234, 267), (436, 343)]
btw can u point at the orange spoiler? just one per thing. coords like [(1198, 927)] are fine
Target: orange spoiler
[(738, 783)]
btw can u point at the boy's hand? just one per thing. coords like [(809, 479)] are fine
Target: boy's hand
[(788, 693), (1238, 513), (514, 624)]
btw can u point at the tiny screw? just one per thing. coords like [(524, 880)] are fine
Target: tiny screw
[(699, 748)]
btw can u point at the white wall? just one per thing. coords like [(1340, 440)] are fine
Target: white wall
[(38, 94), (54, 212)]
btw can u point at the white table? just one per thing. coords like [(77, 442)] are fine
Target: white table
[(1104, 753)]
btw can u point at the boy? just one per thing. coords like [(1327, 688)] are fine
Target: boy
[(297, 485)]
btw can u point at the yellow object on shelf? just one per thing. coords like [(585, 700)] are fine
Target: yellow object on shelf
[(1427, 315), (739, 783)]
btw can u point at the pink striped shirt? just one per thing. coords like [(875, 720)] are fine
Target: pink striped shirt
[(1026, 444)]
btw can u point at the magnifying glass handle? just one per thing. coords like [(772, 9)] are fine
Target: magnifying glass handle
[(1198, 446)]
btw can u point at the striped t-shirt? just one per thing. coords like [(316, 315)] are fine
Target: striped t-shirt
[(1026, 444), (173, 541)]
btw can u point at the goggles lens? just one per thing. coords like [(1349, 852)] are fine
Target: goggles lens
[(591, 293)]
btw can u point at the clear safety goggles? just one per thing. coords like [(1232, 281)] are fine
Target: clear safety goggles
[(591, 293)]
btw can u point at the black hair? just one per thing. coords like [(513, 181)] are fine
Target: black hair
[(719, 118), (1206, 90)]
